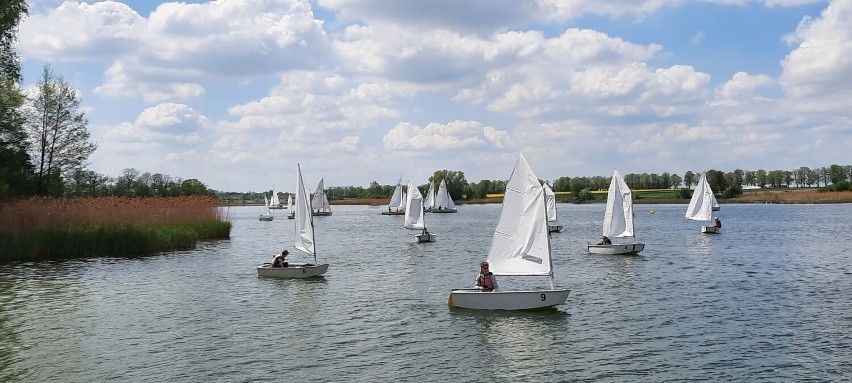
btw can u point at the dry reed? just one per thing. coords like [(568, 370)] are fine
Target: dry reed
[(56, 213)]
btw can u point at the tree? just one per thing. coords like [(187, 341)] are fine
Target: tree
[(455, 181), (689, 179), (675, 180), (58, 131), (15, 164)]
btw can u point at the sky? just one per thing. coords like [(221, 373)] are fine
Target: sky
[(235, 93)]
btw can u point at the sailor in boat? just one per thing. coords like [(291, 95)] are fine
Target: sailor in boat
[(605, 241), (279, 261), (485, 281), (717, 223)]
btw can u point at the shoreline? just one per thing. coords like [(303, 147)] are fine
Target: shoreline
[(807, 196)]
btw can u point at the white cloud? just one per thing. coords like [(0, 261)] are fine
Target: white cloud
[(450, 136), (818, 73)]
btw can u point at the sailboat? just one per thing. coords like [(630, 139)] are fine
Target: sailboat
[(274, 203), (701, 205), (552, 226), (268, 216), (319, 202), (305, 240), (618, 220), (291, 214), (415, 214), (443, 201), (429, 202), (396, 206), (520, 247)]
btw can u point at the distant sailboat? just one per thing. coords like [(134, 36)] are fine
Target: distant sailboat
[(319, 202), (415, 215), (443, 201), (305, 240), (618, 220), (291, 214), (520, 247), (274, 203), (396, 206), (268, 216), (552, 226), (429, 202), (701, 205)]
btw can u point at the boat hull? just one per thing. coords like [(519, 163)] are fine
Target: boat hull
[(292, 271), (554, 228), (398, 212), (617, 248), (426, 237), (506, 300), (321, 213), (711, 230), (265, 218), (278, 207), (442, 211), (291, 216)]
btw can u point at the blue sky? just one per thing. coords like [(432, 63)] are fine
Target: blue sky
[(235, 92)]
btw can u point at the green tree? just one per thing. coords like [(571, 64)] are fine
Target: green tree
[(689, 179), (455, 180), (194, 187), (15, 164), (675, 180), (58, 131)]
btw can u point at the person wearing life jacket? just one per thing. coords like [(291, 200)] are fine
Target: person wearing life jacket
[(485, 281), (718, 223)]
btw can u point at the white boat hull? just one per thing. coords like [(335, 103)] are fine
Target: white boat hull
[(506, 300), (617, 248), (554, 228), (711, 230), (299, 270), (426, 237), (265, 218)]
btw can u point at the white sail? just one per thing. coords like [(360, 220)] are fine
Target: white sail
[(290, 202), (701, 205), (403, 201), (396, 199), (273, 200), (521, 242), (304, 217), (442, 198), (414, 213), (551, 203), (320, 201), (429, 202), (618, 218)]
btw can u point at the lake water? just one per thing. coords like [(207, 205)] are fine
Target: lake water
[(770, 299)]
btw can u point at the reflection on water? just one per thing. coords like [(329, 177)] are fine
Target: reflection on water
[(767, 300)]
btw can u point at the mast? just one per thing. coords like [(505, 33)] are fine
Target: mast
[(549, 252)]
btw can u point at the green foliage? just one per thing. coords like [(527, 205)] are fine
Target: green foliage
[(120, 239), (684, 193), (732, 191)]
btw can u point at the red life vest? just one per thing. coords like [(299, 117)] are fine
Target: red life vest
[(487, 282)]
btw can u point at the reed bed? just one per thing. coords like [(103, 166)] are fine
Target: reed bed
[(51, 228)]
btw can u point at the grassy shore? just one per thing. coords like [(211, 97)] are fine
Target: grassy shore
[(48, 228)]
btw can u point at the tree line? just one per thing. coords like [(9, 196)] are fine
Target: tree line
[(44, 136), (728, 184)]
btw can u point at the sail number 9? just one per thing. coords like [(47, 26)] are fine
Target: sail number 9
[(543, 297)]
